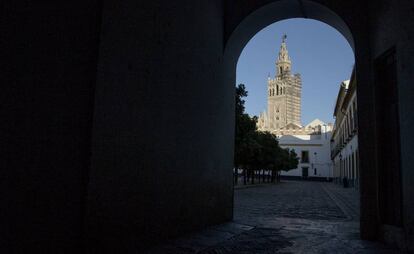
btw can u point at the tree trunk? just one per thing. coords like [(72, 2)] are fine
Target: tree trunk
[(236, 176)]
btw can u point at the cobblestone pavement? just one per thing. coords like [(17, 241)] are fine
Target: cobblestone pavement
[(305, 200), (347, 199), (290, 217)]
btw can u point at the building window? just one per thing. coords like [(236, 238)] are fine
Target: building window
[(305, 157), (315, 171), (277, 118), (277, 90), (354, 113), (356, 164), (353, 165)]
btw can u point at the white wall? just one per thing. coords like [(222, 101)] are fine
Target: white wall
[(350, 148), (321, 160)]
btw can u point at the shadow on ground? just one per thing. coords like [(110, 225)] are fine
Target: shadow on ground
[(290, 217)]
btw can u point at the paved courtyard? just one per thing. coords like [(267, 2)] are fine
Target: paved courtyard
[(290, 217)]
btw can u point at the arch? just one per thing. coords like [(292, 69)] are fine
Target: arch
[(236, 38), (277, 90), (277, 11)]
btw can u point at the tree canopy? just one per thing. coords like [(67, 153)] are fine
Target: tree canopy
[(257, 150)]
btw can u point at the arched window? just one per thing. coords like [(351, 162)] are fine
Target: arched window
[(280, 70), (270, 92), (277, 90)]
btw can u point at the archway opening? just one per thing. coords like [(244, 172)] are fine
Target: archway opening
[(348, 167), (314, 64)]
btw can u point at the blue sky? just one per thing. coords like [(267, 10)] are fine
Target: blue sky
[(318, 52)]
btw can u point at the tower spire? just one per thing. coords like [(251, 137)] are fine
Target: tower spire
[(283, 63)]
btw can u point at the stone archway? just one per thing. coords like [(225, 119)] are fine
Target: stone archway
[(353, 29), (100, 99), (276, 11)]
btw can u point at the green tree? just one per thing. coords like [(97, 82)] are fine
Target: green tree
[(245, 132), (288, 160), (293, 159), (269, 154), (257, 151)]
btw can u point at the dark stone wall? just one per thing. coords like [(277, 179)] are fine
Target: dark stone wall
[(163, 128), (393, 26), (376, 26), (236, 11), (117, 119), (48, 72), (245, 18)]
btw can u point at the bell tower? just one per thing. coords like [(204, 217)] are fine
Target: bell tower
[(284, 95)]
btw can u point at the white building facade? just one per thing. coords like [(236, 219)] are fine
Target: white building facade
[(313, 151), (344, 141)]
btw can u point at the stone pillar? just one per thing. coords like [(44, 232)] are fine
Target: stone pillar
[(163, 124), (49, 55)]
